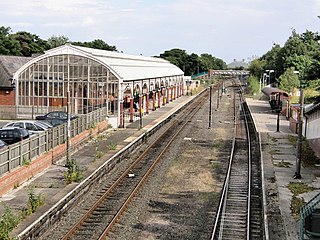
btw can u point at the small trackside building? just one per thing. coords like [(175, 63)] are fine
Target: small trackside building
[(88, 79), (312, 127)]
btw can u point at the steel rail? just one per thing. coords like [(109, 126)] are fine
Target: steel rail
[(249, 173), (223, 199), (226, 183), (141, 182), (72, 231)]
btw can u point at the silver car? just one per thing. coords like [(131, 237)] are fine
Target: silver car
[(32, 126)]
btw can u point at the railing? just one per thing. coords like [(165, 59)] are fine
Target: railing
[(23, 152), (305, 212), (30, 112), (26, 112), (128, 118), (199, 75)]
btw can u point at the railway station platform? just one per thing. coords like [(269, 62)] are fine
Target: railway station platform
[(276, 148), (51, 183), (279, 163)]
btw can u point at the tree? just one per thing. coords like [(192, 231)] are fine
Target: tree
[(177, 57), (30, 43), (56, 41), (210, 62), (256, 67), (220, 64), (97, 44), (289, 80), (253, 84), (8, 46), (273, 59), (301, 63), (300, 51), (192, 64)]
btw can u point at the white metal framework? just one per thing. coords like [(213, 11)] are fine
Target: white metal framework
[(94, 78)]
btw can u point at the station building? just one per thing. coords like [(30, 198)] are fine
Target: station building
[(86, 79)]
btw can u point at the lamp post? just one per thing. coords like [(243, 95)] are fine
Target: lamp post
[(279, 109), (297, 174), (210, 99)]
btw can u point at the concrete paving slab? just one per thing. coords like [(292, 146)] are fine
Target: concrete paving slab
[(316, 183), (282, 146), (282, 162), (284, 157)]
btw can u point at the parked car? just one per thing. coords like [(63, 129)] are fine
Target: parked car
[(12, 135), (55, 121), (3, 145), (45, 123), (31, 126), (56, 118)]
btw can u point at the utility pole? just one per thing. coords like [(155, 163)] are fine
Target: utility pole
[(140, 112), (234, 105), (68, 115), (210, 106), (218, 103), (279, 108), (297, 174)]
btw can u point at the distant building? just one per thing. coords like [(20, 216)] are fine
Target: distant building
[(238, 64)]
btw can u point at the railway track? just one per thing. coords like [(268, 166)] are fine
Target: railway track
[(113, 198), (240, 212)]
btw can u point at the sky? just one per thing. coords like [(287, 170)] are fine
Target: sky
[(226, 29)]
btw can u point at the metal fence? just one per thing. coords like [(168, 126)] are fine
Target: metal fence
[(129, 118), (26, 112), (309, 219), (24, 152)]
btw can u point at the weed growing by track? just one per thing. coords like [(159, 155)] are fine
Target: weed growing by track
[(73, 174), (34, 201), (9, 220), (296, 203), (283, 164), (112, 146), (98, 155), (218, 145)]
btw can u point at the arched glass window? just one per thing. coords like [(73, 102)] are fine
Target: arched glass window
[(43, 85)]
